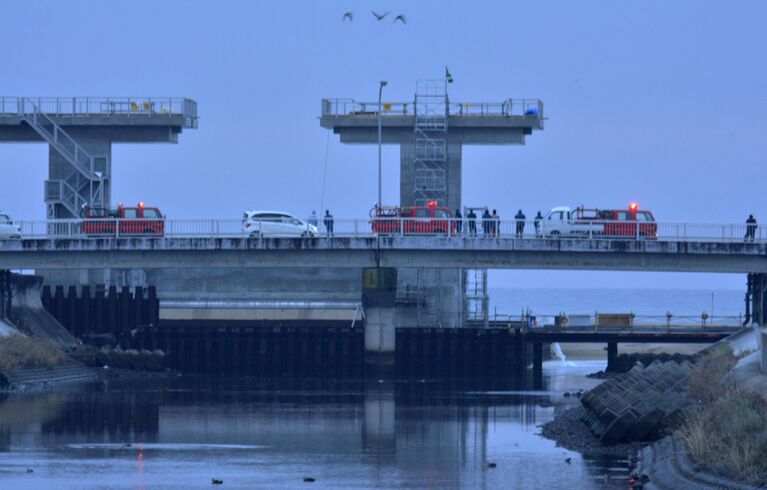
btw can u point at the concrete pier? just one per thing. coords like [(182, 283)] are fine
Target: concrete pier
[(379, 288)]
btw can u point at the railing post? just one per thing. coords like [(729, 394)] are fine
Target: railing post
[(355, 226)]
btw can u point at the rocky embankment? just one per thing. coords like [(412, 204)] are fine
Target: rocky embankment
[(617, 416)]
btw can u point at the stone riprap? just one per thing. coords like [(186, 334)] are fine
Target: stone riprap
[(637, 404)]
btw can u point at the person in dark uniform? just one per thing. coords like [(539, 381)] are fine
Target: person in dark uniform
[(537, 222), (328, 219), (472, 217), (750, 228), (458, 221), (486, 222), (520, 219)]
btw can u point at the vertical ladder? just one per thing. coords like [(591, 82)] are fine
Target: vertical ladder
[(85, 182), (428, 311), (476, 297), (430, 155)]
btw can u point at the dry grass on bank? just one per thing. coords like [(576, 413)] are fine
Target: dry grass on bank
[(703, 384), (729, 435), (19, 351)]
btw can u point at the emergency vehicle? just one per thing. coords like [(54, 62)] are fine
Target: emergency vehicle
[(431, 219), (123, 221), (619, 223)]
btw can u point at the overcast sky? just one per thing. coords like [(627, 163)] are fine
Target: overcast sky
[(660, 102)]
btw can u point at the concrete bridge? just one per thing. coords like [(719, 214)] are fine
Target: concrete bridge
[(683, 254)]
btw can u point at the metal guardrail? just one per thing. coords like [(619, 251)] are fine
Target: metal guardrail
[(508, 108), (102, 106), (442, 229), (592, 322)]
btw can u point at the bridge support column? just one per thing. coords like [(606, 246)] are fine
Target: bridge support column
[(612, 354), (379, 288), (757, 294), (5, 294)]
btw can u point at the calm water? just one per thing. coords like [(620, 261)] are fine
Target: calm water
[(182, 432), (256, 433)]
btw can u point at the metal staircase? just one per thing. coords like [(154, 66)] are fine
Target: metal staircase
[(476, 299), (430, 155), (85, 183)]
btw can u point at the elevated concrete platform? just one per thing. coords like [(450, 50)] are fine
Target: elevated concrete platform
[(117, 119), (80, 132)]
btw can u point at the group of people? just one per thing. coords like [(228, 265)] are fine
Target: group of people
[(327, 220), (491, 223)]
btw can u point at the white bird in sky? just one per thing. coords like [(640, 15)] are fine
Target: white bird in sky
[(379, 16)]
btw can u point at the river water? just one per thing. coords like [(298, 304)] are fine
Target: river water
[(182, 432)]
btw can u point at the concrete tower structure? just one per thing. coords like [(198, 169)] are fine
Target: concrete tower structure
[(80, 131), (431, 132)]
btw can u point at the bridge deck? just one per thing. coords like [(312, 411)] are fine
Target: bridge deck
[(391, 251)]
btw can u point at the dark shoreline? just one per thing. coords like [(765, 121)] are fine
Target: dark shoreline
[(569, 432)]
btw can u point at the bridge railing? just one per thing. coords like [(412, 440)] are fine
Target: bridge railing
[(102, 106), (506, 108), (621, 322), (442, 228)]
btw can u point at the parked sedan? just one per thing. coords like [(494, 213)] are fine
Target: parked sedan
[(8, 230), (275, 223)]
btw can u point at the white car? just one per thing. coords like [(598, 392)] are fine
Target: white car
[(275, 223), (8, 230)]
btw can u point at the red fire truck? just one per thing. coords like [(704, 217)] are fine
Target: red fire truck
[(431, 219), (123, 221), (629, 222)]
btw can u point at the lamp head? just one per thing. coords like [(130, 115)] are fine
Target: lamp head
[(384, 83)]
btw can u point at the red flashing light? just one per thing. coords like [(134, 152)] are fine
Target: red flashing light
[(432, 204), (633, 206)]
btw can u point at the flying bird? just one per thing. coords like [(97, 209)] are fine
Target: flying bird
[(348, 16), (401, 18), (379, 16)]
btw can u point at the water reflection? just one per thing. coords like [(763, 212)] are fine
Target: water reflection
[(272, 432)]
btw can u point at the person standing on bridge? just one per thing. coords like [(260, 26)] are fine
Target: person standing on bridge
[(472, 217), (313, 219), (458, 221), (520, 219), (750, 228), (496, 223), (486, 222), (537, 223), (328, 222)]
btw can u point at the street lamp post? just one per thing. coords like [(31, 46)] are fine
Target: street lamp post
[(381, 85)]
